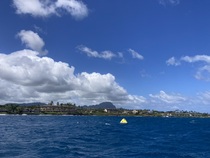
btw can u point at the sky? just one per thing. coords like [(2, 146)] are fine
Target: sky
[(139, 54)]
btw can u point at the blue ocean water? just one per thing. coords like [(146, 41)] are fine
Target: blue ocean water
[(103, 137)]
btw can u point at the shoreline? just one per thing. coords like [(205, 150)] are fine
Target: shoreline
[(48, 115)]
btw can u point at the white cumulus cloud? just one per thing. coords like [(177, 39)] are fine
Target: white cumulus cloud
[(135, 54), (41, 8), (27, 77), (32, 41)]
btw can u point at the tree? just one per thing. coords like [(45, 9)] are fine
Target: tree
[(11, 108), (51, 103)]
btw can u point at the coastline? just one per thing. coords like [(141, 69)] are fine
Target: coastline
[(103, 109)]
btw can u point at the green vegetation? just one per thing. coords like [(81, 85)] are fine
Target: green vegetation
[(101, 110)]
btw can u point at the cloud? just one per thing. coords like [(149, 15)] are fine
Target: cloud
[(203, 73), (92, 53), (169, 2), (27, 77), (144, 74), (40, 8), (38, 29), (196, 58), (204, 97), (167, 98), (135, 54), (76, 8), (107, 54), (25, 68), (203, 69), (173, 61), (174, 101), (35, 8), (32, 41), (120, 54)]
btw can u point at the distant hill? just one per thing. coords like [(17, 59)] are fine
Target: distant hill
[(103, 105)]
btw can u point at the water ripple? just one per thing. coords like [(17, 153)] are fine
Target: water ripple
[(103, 137)]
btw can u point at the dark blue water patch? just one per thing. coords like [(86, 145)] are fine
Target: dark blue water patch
[(103, 137)]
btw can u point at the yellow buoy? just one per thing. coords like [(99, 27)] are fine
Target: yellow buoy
[(123, 121)]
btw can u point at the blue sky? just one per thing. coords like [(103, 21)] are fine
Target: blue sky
[(148, 54)]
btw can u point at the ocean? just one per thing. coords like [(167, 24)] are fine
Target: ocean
[(103, 137)]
